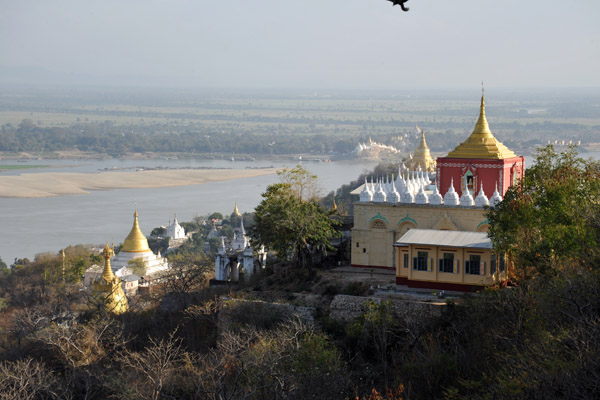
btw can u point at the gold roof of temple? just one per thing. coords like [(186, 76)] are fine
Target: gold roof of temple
[(135, 242), (481, 144)]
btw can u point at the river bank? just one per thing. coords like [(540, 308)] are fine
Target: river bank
[(35, 185)]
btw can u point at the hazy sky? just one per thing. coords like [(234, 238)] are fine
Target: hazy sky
[(353, 44)]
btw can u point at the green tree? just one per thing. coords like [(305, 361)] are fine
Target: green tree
[(3, 267), (215, 215), (550, 219), (302, 182), (287, 223), (158, 231)]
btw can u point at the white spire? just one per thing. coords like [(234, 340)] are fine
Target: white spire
[(436, 197), (466, 200), (481, 199), (379, 196), (421, 197), (409, 185), (222, 246), (242, 230), (407, 196), (451, 197), (400, 184), (366, 194), (394, 196), (496, 198)]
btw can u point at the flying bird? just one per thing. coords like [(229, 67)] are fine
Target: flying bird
[(400, 3)]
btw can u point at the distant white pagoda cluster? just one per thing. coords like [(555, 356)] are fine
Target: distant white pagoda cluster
[(415, 188), (372, 146)]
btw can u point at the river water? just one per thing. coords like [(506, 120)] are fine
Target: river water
[(31, 226)]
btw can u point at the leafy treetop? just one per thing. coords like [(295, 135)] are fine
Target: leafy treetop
[(550, 220), (289, 219)]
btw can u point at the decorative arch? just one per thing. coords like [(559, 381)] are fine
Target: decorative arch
[(405, 226), (407, 219), (378, 224), (379, 216), (484, 226)]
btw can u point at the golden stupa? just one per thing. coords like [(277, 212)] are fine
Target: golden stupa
[(108, 287), (422, 158), (481, 144), (236, 211), (135, 242)]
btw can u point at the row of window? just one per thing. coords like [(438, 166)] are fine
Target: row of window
[(449, 264)]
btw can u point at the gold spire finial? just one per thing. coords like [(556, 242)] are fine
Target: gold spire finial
[(236, 211), (108, 288), (482, 143), (135, 242), (107, 273), (334, 205)]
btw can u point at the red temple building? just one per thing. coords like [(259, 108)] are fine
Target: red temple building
[(480, 160)]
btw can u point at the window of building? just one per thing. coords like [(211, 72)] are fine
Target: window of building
[(470, 181), (364, 250), (474, 266), (357, 245), (446, 263), (405, 260), (502, 263), (420, 262), (493, 264)]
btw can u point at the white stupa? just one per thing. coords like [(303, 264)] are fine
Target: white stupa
[(174, 230), (436, 197), (481, 199), (496, 198), (466, 200), (451, 197)]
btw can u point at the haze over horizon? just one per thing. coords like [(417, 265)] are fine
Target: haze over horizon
[(338, 44)]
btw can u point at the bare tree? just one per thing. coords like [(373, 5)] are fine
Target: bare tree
[(25, 380), (81, 349), (186, 276), (25, 322), (155, 367)]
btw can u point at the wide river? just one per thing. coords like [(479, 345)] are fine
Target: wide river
[(33, 225)]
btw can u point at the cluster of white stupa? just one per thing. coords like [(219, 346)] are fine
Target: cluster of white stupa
[(416, 189), (374, 145)]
